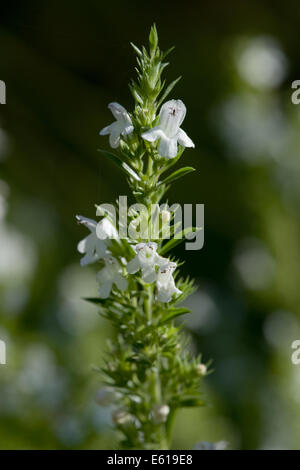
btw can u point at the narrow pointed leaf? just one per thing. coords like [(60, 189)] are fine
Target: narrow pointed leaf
[(94, 300), (173, 313), (192, 401), (167, 91), (124, 166), (177, 174), (136, 49), (165, 54), (176, 241)]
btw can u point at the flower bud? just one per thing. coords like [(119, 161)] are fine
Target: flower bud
[(160, 413), (201, 369), (153, 39)]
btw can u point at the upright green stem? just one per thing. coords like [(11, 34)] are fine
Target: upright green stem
[(148, 304), (169, 426)]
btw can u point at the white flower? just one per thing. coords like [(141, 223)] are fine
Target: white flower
[(161, 413), (171, 116), (146, 260), (105, 230), (165, 283), (94, 246), (109, 275), (122, 125)]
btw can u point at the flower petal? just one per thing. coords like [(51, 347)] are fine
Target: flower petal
[(172, 114), (117, 110), (105, 229), (127, 130), (104, 289), (122, 125), (121, 282), (81, 247), (139, 247), (153, 134), (106, 130), (167, 147), (88, 259), (115, 131), (100, 247), (133, 266), (163, 296), (149, 275), (166, 292), (183, 139), (89, 223), (160, 260), (114, 141)]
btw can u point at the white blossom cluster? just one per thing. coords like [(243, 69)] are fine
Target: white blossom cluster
[(95, 246), (168, 131), (154, 268)]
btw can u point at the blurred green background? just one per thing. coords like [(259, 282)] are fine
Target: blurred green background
[(63, 62)]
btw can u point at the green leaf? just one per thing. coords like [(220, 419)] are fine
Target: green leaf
[(177, 174), (191, 401), (173, 313), (167, 91), (136, 49), (165, 54), (124, 167), (176, 241), (94, 300)]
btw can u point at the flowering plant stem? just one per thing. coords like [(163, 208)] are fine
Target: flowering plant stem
[(148, 371)]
